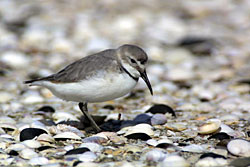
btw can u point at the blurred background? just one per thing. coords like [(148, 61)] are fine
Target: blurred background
[(197, 49)]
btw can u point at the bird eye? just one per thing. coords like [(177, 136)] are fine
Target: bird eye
[(133, 61)]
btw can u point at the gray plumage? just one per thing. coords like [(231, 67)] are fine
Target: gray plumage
[(86, 67)]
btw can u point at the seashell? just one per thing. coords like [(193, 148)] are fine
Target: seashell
[(15, 60), (174, 161), (30, 133), (67, 135), (194, 148), (140, 128), (7, 161), (87, 156), (230, 131), (220, 136), (59, 116), (38, 161), (28, 153), (95, 139), (32, 99), (239, 147), (209, 161), (16, 147), (2, 131), (79, 150), (61, 45), (240, 162), (7, 120), (161, 109), (176, 127), (8, 126), (211, 126), (31, 143), (152, 142), (87, 164), (6, 136), (45, 138), (94, 147), (155, 155)]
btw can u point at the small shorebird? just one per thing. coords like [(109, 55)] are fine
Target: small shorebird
[(100, 77)]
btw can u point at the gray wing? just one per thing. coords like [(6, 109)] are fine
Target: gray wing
[(85, 67)]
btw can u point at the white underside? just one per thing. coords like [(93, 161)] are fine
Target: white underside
[(95, 89)]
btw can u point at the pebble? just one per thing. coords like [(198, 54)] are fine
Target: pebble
[(158, 119), (239, 147)]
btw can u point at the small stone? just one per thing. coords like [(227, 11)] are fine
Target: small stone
[(158, 119)]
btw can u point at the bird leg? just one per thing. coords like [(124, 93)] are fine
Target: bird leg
[(83, 107)]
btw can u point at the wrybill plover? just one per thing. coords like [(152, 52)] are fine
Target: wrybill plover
[(100, 77)]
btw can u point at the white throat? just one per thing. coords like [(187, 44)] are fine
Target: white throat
[(134, 72)]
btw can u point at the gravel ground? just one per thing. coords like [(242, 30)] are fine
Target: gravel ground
[(199, 68)]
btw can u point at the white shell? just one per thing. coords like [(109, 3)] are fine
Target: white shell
[(155, 155), (140, 128), (87, 156), (46, 138), (32, 143), (67, 135), (239, 147), (211, 126), (210, 162), (174, 161), (38, 161), (94, 147), (28, 153)]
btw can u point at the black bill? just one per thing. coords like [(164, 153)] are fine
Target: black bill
[(145, 78)]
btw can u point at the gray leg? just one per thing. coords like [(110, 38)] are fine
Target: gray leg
[(83, 107)]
